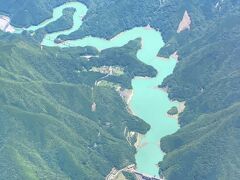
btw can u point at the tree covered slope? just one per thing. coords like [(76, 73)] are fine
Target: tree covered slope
[(206, 77), (48, 128), (27, 12)]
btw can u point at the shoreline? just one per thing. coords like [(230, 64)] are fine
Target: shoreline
[(174, 56), (164, 89), (127, 94), (138, 144), (129, 97), (181, 107)]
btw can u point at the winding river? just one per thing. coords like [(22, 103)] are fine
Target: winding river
[(148, 102)]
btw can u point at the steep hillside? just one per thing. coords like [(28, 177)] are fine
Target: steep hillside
[(65, 22), (23, 12), (206, 148), (49, 128), (206, 77)]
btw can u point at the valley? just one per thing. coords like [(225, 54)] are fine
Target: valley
[(145, 92), (65, 66)]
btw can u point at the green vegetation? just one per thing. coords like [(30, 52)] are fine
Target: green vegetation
[(48, 130), (205, 148), (129, 176), (116, 16), (27, 12), (65, 22), (107, 84), (207, 76), (124, 57), (173, 111)]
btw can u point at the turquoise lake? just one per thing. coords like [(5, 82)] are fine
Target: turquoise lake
[(148, 102)]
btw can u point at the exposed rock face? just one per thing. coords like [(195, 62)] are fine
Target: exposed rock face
[(94, 107), (175, 55), (185, 23), (5, 24)]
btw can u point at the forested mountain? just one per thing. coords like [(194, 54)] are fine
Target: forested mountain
[(48, 128), (206, 77)]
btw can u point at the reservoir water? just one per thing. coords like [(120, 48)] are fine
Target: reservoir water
[(148, 102)]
